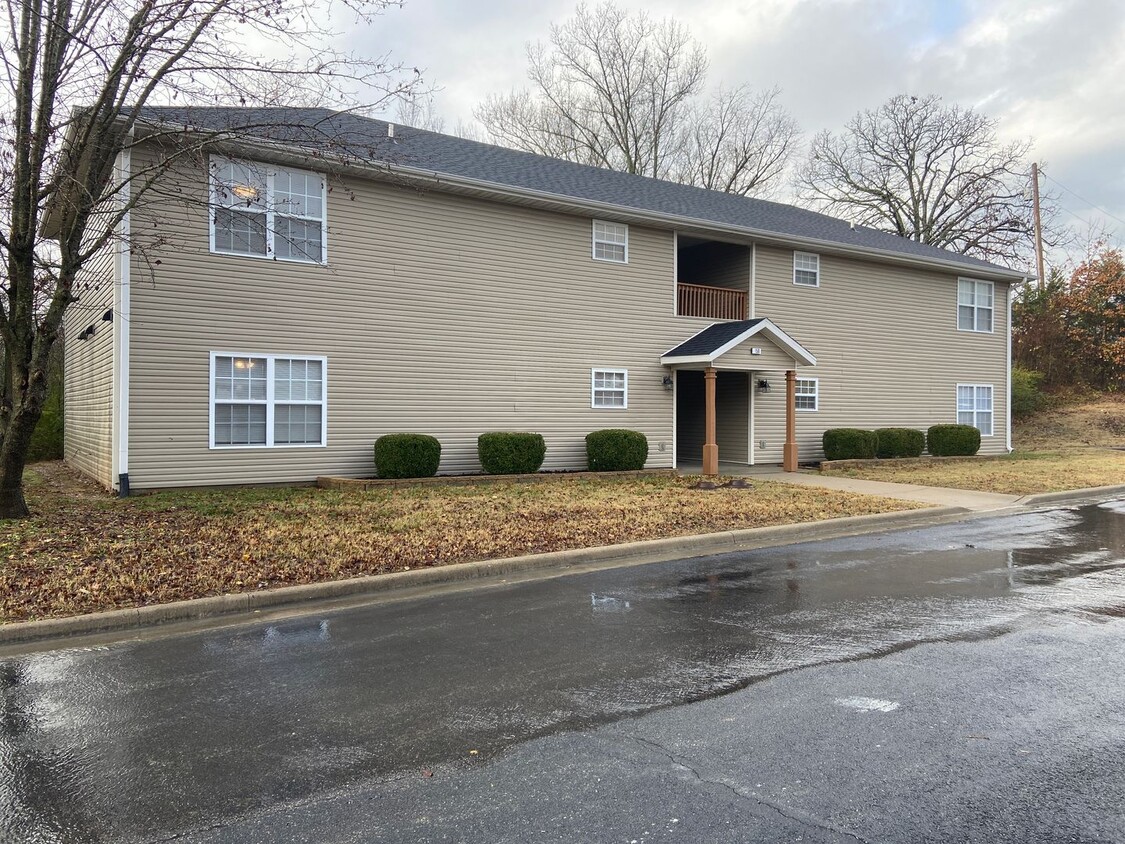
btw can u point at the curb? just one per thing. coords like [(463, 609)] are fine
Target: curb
[(1072, 495), (655, 550)]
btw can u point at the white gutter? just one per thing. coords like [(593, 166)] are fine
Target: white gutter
[(623, 212)]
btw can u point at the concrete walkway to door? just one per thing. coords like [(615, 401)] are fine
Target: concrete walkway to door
[(942, 496)]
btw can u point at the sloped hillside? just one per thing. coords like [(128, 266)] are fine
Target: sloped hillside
[(1096, 422)]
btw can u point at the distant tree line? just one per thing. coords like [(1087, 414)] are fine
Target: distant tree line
[(625, 91), (1071, 331)]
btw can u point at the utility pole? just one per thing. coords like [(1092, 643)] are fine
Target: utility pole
[(1038, 222)]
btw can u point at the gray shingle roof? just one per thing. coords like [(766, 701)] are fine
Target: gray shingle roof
[(327, 132), (712, 338)]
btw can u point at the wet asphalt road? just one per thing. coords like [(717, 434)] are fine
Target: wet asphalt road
[(962, 682)]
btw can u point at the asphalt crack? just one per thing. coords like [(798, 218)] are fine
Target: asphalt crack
[(742, 795)]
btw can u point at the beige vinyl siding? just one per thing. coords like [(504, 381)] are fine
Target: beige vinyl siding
[(742, 356), (732, 422), (88, 373), (887, 347), (453, 316), (437, 314)]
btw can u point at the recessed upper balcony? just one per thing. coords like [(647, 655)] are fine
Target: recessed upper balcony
[(713, 279)]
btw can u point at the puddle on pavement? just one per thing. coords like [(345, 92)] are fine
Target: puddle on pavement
[(119, 743)]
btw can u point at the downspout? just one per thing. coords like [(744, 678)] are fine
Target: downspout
[(121, 334), (1008, 402), (753, 376)]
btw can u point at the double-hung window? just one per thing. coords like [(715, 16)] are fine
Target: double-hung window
[(267, 211), (611, 242), (808, 394), (806, 269), (268, 400), (974, 407), (609, 388), (974, 305)]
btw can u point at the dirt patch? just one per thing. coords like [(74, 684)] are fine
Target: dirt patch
[(1099, 422)]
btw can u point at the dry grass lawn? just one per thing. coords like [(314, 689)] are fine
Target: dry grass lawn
[(1021, 473), (85, 551), (1069, 447)]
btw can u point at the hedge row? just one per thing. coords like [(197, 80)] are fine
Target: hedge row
[(508, 453), (858, 444)]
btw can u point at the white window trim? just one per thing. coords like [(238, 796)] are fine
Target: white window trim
[(992, 315), (270, 402), (594, 242), (816, 396), (269, 211), (797, 253), (593, 390), (991, 406)]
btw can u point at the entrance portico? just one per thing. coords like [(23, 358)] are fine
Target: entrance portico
[(733, 368)]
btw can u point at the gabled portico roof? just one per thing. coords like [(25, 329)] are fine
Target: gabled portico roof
[(706, 346)]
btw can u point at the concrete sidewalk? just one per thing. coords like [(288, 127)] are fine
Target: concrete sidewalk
[(942, 496)]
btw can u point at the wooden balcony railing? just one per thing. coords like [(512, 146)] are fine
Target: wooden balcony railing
[(699, 300)]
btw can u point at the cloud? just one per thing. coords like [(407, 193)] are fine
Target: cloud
[(1050, 70)]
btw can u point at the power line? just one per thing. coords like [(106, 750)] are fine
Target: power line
[(1079, 196)]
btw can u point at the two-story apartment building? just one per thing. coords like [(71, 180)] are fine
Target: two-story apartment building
[(313, 280)]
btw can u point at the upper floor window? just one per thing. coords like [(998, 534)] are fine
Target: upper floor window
[(974, 407), (808, 394), (609, 388), (974, 305), (267, 400), (267, 211), (806, 269), (611, 242)]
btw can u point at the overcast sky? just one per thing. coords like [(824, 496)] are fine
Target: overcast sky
[(1051, 70)]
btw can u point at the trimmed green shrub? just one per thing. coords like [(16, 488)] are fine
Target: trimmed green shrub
[(616, 450), (953, 440), (849, 444), (899, 442), (511, 452), (1026, 397), (407, 456)]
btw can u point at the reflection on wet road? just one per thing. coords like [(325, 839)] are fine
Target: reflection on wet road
[(139, 740)]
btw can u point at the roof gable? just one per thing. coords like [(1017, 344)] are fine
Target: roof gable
[(716, 340)]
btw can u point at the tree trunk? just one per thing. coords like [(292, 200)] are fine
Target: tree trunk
[(12, 505), (12, 462), (16, 444)]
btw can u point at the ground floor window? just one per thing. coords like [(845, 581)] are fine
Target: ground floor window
[(609, 388), (808, 394), (974, 407), (263, 401)]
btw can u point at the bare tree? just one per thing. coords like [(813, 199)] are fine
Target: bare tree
[(926, 171), (738, 142), (417, 110), (624, 91), (79, 76)]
